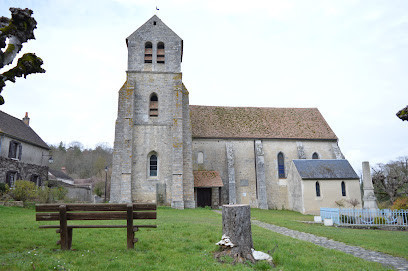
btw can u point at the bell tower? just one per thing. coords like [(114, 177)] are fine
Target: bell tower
[(152, 159)]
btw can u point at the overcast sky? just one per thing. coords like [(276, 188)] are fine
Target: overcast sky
[(347, 58)]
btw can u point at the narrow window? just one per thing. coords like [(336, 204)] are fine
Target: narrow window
[(317, 189), (154, 106), (200, 157), (11, 178), (153, 165), (281, 165), (148, 52), (315, 155), (160, 52), (15, 150), (343, 189)]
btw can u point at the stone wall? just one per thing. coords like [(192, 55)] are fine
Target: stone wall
[(24, 170)]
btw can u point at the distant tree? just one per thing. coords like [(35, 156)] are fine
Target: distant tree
[(391, 180), (14, 32), (403, 113)]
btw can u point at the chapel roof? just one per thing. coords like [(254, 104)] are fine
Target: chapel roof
[(207, 178), (17, 129), (259, 122), (315, 169)]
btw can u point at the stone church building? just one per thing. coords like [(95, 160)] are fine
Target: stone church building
[(173, 153)]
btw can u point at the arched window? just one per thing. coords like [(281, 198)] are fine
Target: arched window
[(315, 155), (317, 189), (153, 165), (281, 165), (343, 189), (160, 52), (148, 52), (154, 106)]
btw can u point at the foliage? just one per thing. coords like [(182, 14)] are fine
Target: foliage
[(400, 203), (379, 220), (99, 189), (44, 194), (347, 219), (14, 32), (353, 202), (4, 188), (391, 180), (58, 193), (81, 162), (183, 240), (403, 113), (24, 190)]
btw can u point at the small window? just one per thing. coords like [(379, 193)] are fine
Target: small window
[(200, 157), (148, 52), (160, 52), (281, 165), (154, 106), (15, 150), (153, 165), (35, 179), (315, 155), (317, 189), (154, 22), (11, 177), (343, 189)]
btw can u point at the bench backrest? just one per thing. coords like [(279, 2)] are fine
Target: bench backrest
[(51, 212)]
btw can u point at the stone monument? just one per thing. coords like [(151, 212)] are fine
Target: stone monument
[(369, 199)]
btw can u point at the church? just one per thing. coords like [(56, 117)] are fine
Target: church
[(186, 156)]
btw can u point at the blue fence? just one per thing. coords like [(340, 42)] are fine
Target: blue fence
[(375, 217)]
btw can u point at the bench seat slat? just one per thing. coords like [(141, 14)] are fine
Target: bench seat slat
[(95, 226), (95, 216), (95, 207)]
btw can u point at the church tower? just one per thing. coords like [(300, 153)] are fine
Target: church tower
[(152, 159)]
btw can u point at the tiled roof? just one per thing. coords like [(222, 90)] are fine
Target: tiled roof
[(259, 122), (16, 128), (206, 178), (59, 174), (313, 169)]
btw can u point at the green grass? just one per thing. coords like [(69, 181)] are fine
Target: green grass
[(391, 242), (184, 240)]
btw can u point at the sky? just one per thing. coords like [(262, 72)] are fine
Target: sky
[(348, 58)]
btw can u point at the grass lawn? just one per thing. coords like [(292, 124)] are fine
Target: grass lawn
[(391, 242), (184, 240)]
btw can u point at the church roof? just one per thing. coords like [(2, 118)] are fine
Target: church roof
[(259, 122), (207, 178), (17, 129), (314, 169)]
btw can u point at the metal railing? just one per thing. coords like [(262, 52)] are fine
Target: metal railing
[(366, 217)]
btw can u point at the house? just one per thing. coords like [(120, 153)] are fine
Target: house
[(319, 183), (75, 192), (23, 154), (183, 155)]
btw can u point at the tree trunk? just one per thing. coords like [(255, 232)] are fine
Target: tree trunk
[(236, 225)]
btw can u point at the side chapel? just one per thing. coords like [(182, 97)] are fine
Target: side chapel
[(173, 153)]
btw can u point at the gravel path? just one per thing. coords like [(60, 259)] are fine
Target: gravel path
[(368, 255)]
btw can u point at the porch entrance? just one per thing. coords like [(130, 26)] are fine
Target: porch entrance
[(203, 197)]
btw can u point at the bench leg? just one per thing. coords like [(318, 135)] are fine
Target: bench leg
[(130, 232), (69, 238), (63, 227)]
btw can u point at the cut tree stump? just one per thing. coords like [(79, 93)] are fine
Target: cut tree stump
[(236, 233)]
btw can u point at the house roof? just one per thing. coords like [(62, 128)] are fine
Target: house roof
[(207, 178), (17, 129), (59, 174), (259, 122), (314, 169)]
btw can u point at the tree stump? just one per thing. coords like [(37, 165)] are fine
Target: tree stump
[(236, 233)]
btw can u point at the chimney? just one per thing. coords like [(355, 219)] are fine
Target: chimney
[(26, 119), (63, 169)]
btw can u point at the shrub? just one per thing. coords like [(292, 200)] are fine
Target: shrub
[(58, 193), (24, 190), (4, 188), (99, 189), (379, 220), (347, 219), (400, 204), (44, 195)]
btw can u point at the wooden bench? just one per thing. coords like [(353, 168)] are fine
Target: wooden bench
[(65, 212)]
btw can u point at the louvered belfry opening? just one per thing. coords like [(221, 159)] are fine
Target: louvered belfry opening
[(160, 52), (154, 106), (148, 52)]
